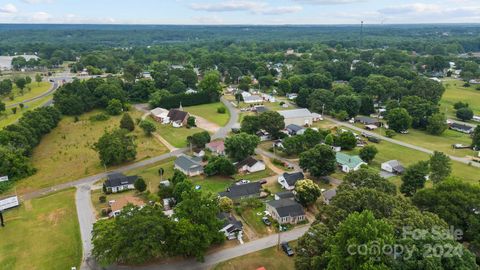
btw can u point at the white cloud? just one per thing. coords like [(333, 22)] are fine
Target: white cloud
[(282, 10), (8, 8), (209, 20), (249, 6), (41, 16), (37, 1), (431, 13), (411, 8)]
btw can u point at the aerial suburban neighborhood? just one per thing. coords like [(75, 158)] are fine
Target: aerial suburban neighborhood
[(178, 144)]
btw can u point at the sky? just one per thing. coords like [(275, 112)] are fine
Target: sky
[(265, 12)]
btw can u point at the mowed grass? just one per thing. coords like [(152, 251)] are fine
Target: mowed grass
[(177, 137), (209, 112), (31, 90), (67, 154), (42, 234), (455, 92), (9, 118), (270, 258)]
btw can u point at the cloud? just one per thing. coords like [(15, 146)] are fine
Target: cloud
[(37, 1), (411, 8), (249, 6), (282, 10), (209, 20), (41, 16), (428, 13), (9, 9), (330, 2)]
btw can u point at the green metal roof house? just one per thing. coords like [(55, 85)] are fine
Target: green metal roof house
[(349, 163)]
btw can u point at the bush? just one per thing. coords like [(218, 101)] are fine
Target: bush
[(281, 103), (390, 133), (102, 199), (99, 117), (221, 110)]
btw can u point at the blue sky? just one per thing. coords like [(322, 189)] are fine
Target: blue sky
[(239, 11)]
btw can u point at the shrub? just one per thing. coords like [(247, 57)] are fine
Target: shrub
[(99, 117), (221, 110), (102, 199), (390, 133)]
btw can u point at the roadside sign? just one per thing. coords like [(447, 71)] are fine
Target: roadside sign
[(3, 178), (9, 202)]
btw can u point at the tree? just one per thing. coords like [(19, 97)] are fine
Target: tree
[(127, 122), (184, 187), (140, 185), (199, 139), (14, 110), (28, 79), (302, 98), (367, 178), (319, 161), (225, 204), (191, 121), (350, 104), (399, 120), (437, 124), (272, 122), (414, 178), (221, 166), (440, 167), (465, 114), (116, 147), (131, 71), (240, 146), (459, 105), (250, 124), (312, 247), (148, 127), (321, 101), (361, 229), (346, 140), (368, 153), (307, 192), (329, 139), (211, 85), (115, 107), (21, 83), (38, 78), (2, 107), (476, 137)]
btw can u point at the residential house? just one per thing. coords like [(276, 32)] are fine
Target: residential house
[(300, 117), (284, 195), (317, 117), (147, 75), (117, 182), (263, 135), (253, 99), (250, 165), (245, 94), (188, 165), (232, 228), (293, 130), (328, 195), (199, 153), (286, 211), (292, 96), (118, 205), (288, 180), (178, 117), (349, 163), (261, 109), (476, 118), (393, 166), (462, 128), (243, 191), (216, 147), (268, 98), (368, 121), (474, 81), (160, 115)]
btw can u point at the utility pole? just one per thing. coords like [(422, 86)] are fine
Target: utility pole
[(361, 35), (1, 219), (279, 232)]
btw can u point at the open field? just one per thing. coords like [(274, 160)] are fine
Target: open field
[(209, 112), (455, 92), (35, 90), (175, 136), (271, 258), (66, 153), (42, 234), (9, 118)]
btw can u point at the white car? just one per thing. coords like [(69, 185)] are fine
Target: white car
[(242, 182)]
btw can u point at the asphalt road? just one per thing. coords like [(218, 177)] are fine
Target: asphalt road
[(234, 116), (224, 255), (86, 219), (53, 88), (411, 146)]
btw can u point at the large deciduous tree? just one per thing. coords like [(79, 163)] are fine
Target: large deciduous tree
[(414, 178), (440, 167), (116, 147), (319, 161), (307, 192), (240, 146), (399, 120)]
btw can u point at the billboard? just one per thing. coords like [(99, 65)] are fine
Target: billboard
[(9, 202)]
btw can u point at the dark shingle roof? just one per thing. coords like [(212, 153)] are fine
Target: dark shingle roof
[(286, 207), (238, 191), (229, 219), (285, 194), (177, 115), (294, 128), (461, 127), (366, 120), (119, 179), (292, 178), (250, 161), (261, 109), (187, 163)]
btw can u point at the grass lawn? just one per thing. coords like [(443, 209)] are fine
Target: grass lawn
[(209, 112), (176, 136), (270, 258), (150, 173), (66, 153), (9, 118), (95, 195), (254, 221), (42, 234), (35, 90), (455, 92)]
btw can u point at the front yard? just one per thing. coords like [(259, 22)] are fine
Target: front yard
[(42, 233), (209, 112), (177, 137)]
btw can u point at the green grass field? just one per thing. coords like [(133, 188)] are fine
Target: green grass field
[(455, 92), (209, 112), (270, 258), (42, 234), (66, 153), (31, 90), (175, 136), (8, 117)]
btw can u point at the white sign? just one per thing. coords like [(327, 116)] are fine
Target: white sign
[(8, 203), (3, 178)]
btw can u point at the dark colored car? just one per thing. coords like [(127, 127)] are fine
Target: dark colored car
[(287, 249), (266, 221), (374, 139)]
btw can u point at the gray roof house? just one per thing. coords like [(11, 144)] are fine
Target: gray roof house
[(238, 192), (188, 165), (286, 211), (462, 128), (368, 120), (284, 195), (393, 166), (293, 129), (299, 117), (232, 228), (328, 195), (117, 182), (288, 180)]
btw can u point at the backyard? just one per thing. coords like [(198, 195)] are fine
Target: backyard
[(177, 137), (455, 92), (66, 153), (42, 233), (209, 112)]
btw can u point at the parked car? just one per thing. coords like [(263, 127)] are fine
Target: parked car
[(287, 249), (263, 182), (404, 132), (373, 139), (242, 182), (266, 221)]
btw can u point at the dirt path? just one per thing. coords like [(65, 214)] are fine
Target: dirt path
[(270, 165), (170, 147), (206, 125)]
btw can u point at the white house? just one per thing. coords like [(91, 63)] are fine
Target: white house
[(300, 117), (286, 211), (250, 165), (393, 166), (160, 115), (188, 165), (292, 96), (349, 163), (232, 228), (269, 98), (253, 99), (118, 182), (288, 180)]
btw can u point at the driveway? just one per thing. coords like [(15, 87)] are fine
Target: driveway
[(234, 116), (206, 125), (86, 219)]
